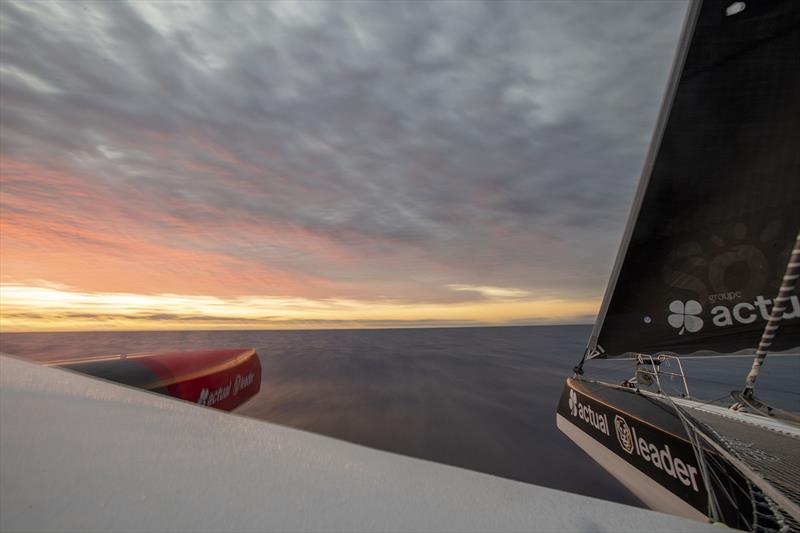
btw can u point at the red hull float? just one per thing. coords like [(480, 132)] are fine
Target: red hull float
[(223, 379)]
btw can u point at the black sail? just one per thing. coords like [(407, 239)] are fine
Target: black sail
[(719, 206)]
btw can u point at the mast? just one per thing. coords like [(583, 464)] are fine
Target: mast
[(788, 286)]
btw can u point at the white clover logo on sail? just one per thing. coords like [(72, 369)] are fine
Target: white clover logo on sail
[(573, 403), (684, 316)]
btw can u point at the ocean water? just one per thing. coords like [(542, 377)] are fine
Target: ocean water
[(477, 398)]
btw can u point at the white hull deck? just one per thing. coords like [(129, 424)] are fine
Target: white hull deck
[(80, 454)]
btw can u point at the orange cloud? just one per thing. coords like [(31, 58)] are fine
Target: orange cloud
[(61, 227)]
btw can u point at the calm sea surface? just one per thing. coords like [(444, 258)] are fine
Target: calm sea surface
[(478, 398)]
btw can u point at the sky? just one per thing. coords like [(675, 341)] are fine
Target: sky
[(257, 165)]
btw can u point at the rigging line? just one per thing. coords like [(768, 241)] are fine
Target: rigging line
[(695, 433), (737, 355), (611, 365), (711, 436), (701, 404), (719, 483), (578, 369), (759, 500), (713, 504), (711, 479), (753, 493), (788, 286)]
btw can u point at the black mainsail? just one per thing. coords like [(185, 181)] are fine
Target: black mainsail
[(718, 208)]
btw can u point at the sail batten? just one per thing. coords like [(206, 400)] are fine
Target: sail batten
[(718, 206)]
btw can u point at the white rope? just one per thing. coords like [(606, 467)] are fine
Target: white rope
[(749, 473), (692, 433), (788, 286)]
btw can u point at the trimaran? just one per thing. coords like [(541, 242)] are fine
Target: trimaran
[(709, 264)]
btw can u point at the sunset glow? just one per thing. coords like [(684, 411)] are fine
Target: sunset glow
[(232, 165), (31, 308)]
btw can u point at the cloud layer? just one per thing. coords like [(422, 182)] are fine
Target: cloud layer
[(378, 152)]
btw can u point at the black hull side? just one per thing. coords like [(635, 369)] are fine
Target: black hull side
[(641, 441)]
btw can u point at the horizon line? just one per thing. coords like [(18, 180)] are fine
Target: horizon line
[(377, 328)]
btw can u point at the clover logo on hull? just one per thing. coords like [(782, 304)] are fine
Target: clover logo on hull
[(573, 402), (596, 419), (684, 316)]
